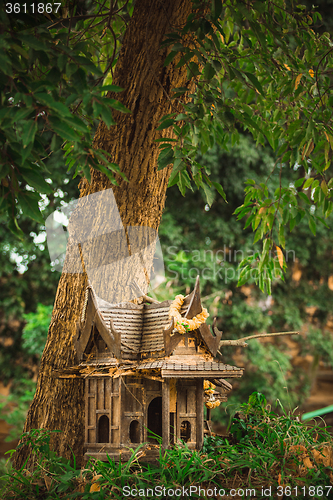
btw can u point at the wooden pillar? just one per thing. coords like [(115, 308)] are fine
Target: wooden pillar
[(165, 414), (200, 414)]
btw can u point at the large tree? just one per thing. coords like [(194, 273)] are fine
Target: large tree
[(58, 404), (252, 64)]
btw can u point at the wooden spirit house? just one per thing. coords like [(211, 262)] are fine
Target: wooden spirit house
[(142, 377)]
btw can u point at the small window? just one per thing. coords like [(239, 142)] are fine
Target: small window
[(134, 432), (103, 429), (185, 431)]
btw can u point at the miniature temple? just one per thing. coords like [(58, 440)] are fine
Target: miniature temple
[(143, 378)]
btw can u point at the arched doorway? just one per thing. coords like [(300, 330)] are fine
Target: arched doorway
[(154, 419), (185, 431), (103, 429), (134, 431)]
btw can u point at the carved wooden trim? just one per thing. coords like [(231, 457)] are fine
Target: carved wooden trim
[(93, 316), (194, 299), (211, 342)]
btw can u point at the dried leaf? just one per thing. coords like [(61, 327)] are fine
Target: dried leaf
[(48, 482), (298, 79), (323, 455), (287, 67), (95, 486), (280, 256)]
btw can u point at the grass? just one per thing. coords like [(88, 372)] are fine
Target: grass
[(262, 450)]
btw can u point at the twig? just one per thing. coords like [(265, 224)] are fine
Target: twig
[(241, 342)]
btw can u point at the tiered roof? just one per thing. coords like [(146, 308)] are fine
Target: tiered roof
[(144, 334)]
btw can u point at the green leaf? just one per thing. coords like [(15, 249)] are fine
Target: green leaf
[(308, 183), (258, 234), (193, 69), (33, 42), (216, 8), (116, 105), (323, 221), (107, 172), (165, 124), (312, 226), (62, 129), (21, 51), (97, 107), (35, 180), (76, 123), (29, 132), (170, 57), (111, 88), (15, 229), (174, 179), (292, 223), (86, 172), (255, 81), (244, 278), (299, 182), (324, 187), (209, 71), (107, 117), (209, 194), (282, 239), (220, 190), (87, 63), (29, 205), (181, 116), (249, 220), (57, 106), (165, 158), (23, 113)]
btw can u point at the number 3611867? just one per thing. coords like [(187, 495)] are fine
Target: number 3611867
[(32, 8)]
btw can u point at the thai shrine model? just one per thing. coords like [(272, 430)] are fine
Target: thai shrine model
[(148, 369)]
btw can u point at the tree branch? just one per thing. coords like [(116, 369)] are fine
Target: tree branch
[(241, 342)]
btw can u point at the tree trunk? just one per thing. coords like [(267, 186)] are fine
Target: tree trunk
[(58, 403)]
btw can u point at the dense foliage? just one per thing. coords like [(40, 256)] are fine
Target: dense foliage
[(260, 67), (204, 240), (257, 66), (52, 76)]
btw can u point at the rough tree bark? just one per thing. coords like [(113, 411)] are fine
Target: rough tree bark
[(58, 403)]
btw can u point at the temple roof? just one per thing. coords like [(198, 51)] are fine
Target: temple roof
[(132, 331)]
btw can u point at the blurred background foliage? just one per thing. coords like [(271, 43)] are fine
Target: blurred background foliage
[(200, 240), (210, 242)]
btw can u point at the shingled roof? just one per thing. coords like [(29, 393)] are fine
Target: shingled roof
[(132, 331)]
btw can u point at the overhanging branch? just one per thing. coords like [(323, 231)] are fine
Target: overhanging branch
[(241, 342)]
